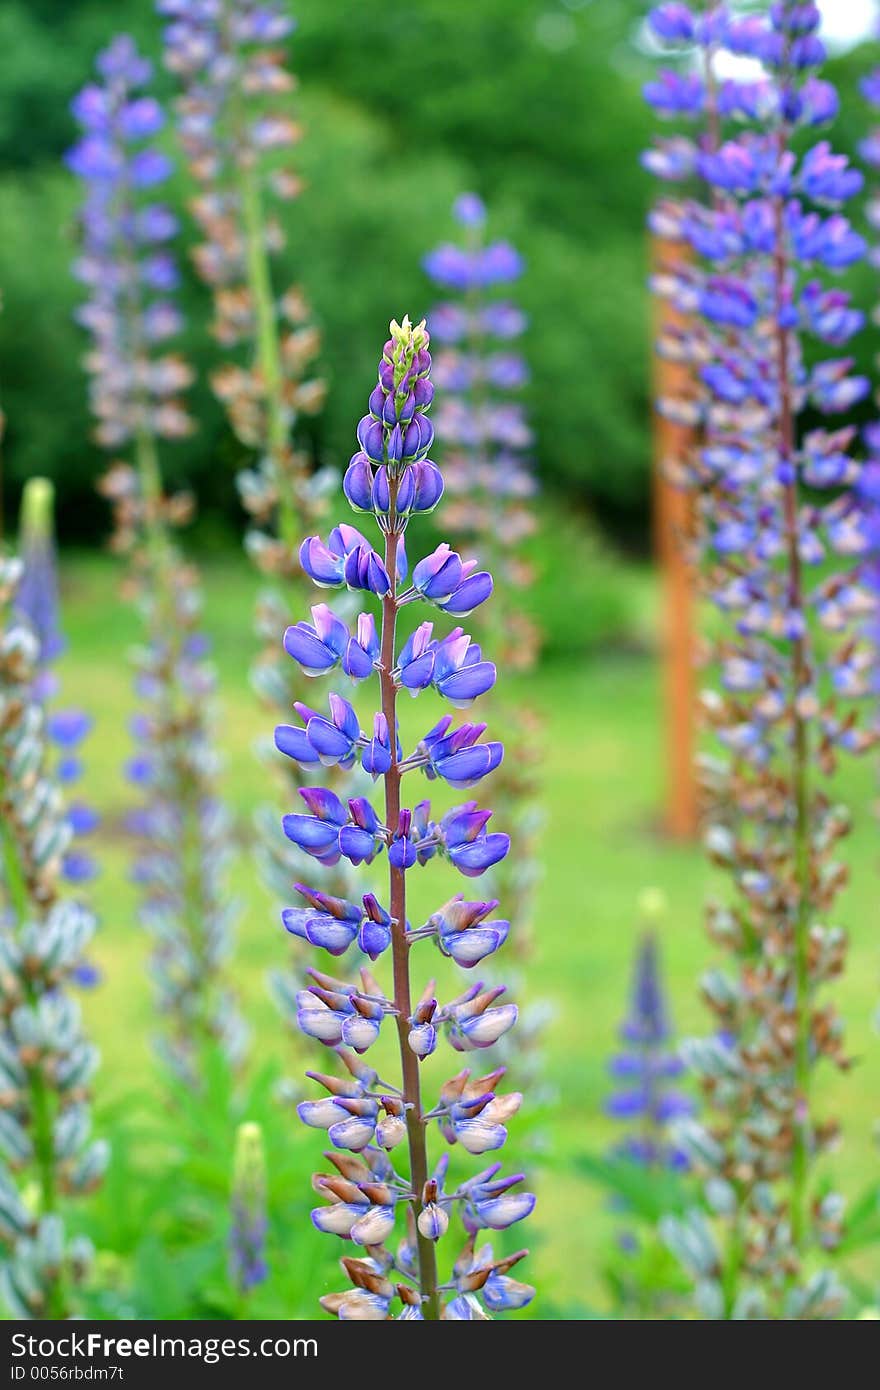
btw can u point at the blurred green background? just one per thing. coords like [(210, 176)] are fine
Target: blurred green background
[(535, 105)]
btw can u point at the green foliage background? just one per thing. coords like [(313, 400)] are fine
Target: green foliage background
[(535, 103)]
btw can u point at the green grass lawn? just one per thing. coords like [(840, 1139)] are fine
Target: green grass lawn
[(601, 846)]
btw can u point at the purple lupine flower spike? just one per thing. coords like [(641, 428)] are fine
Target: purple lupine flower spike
[(386, 1127), (128, 269), (644, 1068), (764, 331), (37, 597), (868, 482), (37, 601), (48, 1061)]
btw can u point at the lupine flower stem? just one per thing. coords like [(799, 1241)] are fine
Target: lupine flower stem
[(400, 947)]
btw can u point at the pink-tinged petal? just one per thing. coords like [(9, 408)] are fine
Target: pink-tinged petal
[(359, 1032), (467, 948), (320, 1114), (331, 630), (336, 1220), (486, 1028), (478, 1136), (324, 804), (374, 1227), (354, 1133), (501, 1212), (433, 1221)]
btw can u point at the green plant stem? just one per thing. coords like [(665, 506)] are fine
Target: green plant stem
[(409, 1062)]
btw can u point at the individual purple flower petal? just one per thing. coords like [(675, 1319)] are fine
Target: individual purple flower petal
[(69, 727), (468, 595), (358, 483), (375, 931), (294, 743)]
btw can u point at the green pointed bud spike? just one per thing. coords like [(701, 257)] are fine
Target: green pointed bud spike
[(36, 518)]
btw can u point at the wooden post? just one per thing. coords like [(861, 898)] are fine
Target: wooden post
[(672, 442)]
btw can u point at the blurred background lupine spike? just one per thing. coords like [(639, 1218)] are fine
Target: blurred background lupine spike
[(233, 124), (37, 597), (869, 480), (136, 389), (644, 1068), (38, 603), (235, 127), (784, 571), (392, 477), (47, 1155), (485, 445), (645, 1172), (249, 1221)]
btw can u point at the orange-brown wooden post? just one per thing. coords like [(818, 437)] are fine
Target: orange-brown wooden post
[(672, 441)]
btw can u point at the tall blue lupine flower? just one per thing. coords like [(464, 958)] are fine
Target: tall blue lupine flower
[(37, 601), (366, 1118), (485, 441), (131, 275), (783, 569), (46, 1062), (868, 483), (644, 1098), (247, 1236)]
